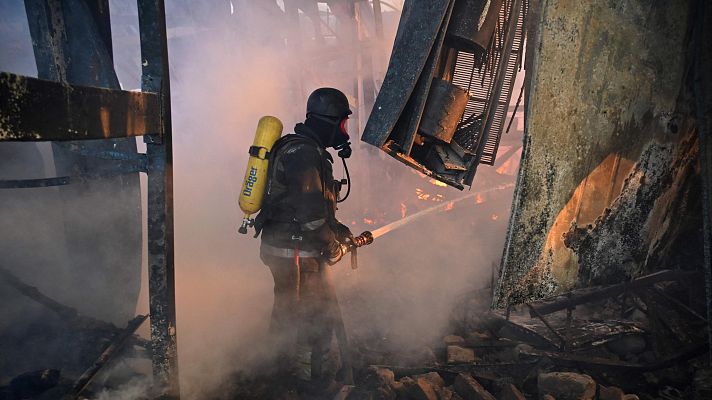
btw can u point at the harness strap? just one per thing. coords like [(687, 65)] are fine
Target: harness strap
[(288, 253)]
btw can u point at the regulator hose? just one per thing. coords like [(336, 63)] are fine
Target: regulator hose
[(348, 181)]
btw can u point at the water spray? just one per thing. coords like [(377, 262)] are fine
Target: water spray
[(420, 214), (367, 237)]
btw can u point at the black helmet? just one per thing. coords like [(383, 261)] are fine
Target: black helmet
[(328, 102)]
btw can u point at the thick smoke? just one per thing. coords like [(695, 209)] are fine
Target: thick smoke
[(230, 65)]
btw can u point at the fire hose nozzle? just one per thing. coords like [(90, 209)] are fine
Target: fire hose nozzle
[(363, 239)]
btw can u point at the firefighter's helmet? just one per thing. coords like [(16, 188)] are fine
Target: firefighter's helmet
[(328, 102)]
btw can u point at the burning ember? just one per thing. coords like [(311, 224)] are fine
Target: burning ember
[(437, 183), (404, 210)]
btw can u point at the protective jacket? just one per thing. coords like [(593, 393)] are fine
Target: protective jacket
[(300, 201)]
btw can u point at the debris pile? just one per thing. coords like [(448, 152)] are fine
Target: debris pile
[(62, 354), (641, 339)]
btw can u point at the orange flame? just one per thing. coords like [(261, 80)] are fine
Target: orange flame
[(368, 221), (479, 199), (450, 206), (421, 195)]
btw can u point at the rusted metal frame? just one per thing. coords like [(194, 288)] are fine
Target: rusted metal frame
[(159, 149), (130, 168), (511, 32), (582, 296), (131, 163), (561, 339), (119, 340), (39, 110), (34, 183)]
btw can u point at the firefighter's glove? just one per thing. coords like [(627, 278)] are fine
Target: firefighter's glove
[(342, 232), (335, 252)]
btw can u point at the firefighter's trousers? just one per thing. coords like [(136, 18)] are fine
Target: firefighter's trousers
[(304, 304)]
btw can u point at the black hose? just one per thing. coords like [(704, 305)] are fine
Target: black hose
[(348, 181)]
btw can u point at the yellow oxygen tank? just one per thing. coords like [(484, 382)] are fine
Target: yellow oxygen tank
[(269, 129)]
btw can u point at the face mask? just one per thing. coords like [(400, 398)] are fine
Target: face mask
[(340, 137), (343, 126)]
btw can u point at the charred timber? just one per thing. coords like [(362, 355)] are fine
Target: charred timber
[(579, 360), (33, 293), (111, 350), (587, 295), (39, 110)]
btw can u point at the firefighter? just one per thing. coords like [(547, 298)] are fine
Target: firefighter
[(301, 237)]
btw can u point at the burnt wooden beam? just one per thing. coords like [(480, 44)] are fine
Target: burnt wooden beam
[(581, 360), (119, 340), (65, 312), (39, 110), (582, 296), (159, 149)]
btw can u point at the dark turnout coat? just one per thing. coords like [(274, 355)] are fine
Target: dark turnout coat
[(300, 200)]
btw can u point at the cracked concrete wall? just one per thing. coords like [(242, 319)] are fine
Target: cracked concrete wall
[(608, 173)]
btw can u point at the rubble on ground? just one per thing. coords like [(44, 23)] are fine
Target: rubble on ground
[(637, 341)]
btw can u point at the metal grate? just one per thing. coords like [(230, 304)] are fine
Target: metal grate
[(480, 80)]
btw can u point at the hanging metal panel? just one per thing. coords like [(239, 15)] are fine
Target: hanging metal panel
[(484, 66)]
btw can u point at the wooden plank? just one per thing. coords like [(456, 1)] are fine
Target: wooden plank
[(591, 294)]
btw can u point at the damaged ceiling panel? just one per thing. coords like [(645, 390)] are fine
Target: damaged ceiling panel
[(610, 152)]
